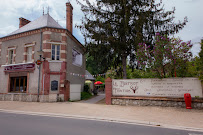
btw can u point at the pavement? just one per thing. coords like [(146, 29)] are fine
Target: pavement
[(94, 100), (166, 117)]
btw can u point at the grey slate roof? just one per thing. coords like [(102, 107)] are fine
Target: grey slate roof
[(89, 76), (43, 21)]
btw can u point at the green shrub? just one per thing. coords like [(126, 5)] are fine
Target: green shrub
[(86, 88), (85, 95)]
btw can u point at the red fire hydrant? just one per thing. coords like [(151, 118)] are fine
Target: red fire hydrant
[(188, 100)]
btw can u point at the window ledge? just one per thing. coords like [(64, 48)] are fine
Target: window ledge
[(16, 93), (55, 61)]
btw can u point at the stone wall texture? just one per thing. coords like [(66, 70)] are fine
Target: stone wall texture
[(145, 102), (32, 98)]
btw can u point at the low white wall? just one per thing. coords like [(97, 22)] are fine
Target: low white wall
[(169, 87), (75, 92)]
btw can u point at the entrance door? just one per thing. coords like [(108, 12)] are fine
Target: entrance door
[(18, 84)]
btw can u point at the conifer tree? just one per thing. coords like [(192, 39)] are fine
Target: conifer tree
[(113, 28)]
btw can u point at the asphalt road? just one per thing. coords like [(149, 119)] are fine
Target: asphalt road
[(21, 124)]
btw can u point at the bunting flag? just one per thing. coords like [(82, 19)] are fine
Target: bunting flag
[(83, 76)]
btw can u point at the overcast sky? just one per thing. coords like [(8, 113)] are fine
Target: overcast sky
[(12, 10)]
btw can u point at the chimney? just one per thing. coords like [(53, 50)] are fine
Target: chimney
[(22, 22), (69, 17)]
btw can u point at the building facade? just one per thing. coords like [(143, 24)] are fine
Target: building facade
[(61, 55)]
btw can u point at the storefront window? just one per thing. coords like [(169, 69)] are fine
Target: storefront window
[(18, 84)]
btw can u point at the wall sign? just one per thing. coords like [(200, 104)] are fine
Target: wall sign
[(76, 58), (170, 87), (54, 85), (30, 66)]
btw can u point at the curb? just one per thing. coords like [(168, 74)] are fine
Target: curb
[(105, 119)]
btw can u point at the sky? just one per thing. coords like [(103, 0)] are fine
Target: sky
[(12, 10)]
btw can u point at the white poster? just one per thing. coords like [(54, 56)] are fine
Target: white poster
[(77, 58), (170, 87)]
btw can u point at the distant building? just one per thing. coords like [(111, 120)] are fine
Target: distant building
[(90, 80), (63, 54)]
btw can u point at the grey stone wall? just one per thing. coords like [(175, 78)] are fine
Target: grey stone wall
[(32, 98), (19, 43), (3, 81), (73, 68), (55, 66), (135, 102)]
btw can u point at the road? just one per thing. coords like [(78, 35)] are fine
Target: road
[(22, 124)]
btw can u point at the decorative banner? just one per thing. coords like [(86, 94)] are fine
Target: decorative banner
[(30, 66), (170, 87)]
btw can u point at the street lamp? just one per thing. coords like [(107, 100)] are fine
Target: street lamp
[(40, 53)]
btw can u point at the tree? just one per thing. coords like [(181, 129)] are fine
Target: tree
[(201, 61), (168, 56), (94, 66), (113, 28)]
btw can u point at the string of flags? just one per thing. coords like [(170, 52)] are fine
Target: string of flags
[(83, 76), (80, 75)]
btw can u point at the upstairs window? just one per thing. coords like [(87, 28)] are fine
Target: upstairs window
[(29, 54), (10, 56), (55, 52)]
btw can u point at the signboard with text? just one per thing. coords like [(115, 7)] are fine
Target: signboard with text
[(30, 66), (170, 87)]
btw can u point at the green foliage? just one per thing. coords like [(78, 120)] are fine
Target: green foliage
[(114, 73), (168, 56), (86, 88), (93, 66), (193, 67), (140, 74), (113, 29), (201, 61), (85, 95), (100, 78)]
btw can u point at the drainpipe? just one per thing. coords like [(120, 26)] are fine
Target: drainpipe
[(43, 85)]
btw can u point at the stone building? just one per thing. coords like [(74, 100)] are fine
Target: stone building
[(60, 52)]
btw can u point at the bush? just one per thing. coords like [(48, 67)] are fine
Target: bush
[(85, 95), (86, 88)]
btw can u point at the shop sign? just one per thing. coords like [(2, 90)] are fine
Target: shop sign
[(167, 87), (54, 85), (30, 66)]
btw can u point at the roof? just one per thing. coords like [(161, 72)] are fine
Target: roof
[(43, 21), (88, 76)]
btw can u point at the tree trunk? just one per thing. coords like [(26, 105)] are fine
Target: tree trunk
[(124, 56)]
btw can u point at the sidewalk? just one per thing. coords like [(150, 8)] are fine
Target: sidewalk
[(93, 100), (161, 116)]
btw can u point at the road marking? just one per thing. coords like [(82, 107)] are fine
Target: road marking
[(194, 134)]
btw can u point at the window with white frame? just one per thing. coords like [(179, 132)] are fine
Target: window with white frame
[(77, 58), (10, 56), (29, 54), (55, 52)]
